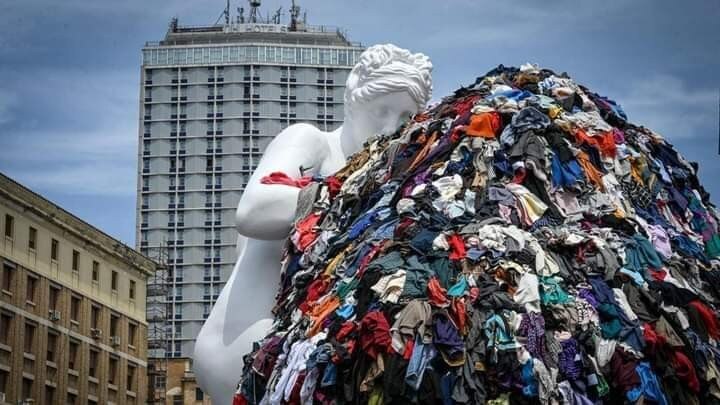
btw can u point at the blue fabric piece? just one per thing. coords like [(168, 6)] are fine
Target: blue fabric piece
[(447, 382), (649, 386), (329, 376), (565, 174), (475, 253), (384, 231), (515, 95), (530, 384), (345, 311), (687, 247), (636, 277), (459, 288), (419, 360), (365, 221), (498, 337), (641, 254)]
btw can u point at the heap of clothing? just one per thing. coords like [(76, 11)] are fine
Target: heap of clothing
[(519, 242)]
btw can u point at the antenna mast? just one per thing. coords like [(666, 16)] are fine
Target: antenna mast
[(254, 11), (294, 14)]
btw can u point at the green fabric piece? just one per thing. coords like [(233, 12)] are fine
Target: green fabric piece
[(551, 293), (346, 287), (712, 246)]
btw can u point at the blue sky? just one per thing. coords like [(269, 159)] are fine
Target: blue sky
[(70, 71)]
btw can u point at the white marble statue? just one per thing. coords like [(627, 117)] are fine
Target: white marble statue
[(386, 86)]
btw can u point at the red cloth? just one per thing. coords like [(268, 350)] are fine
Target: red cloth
[(685, 370), (345, 330), (708, 318), (282, 178), (375, 334), (306, 232), (409, 347), (316, 289), (333, 185), (465, 104), (436, 294), (457, 247), (239, 399), (458, 313)]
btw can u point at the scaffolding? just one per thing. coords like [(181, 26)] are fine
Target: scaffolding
[(158, 313)]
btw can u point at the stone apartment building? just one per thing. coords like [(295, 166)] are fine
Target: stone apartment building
[(72, 307)]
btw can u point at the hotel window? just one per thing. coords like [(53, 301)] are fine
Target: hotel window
[(29, 343), (52, 349), (132, 290), (94, 358), (114, 323), (9, 226), (75, 260), (53, 298), (30, 288), (5, 327), (32, 238), (132, 334), (114, 281), (7, 277), (75, 308), (27, 388), (130, 378), (112, 370), (95, 271), (74, 348), (4, 377), (54, 250), (94, 317)]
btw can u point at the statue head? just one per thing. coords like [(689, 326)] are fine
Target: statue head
[(386, 87)]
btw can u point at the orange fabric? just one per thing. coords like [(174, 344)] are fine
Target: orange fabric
[(605, 142), (484, 125), (420, 157), (436, 294), (320, 311), (592, 174)]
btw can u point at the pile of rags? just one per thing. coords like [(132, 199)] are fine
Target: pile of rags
[(519, 242)]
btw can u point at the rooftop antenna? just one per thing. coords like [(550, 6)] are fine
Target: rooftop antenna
[(173, 24), (241, 15), (254, 11), (276, 16), (227, 12), (294, 14)]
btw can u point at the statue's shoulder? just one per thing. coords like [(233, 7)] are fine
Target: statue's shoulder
[(300, 134)]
